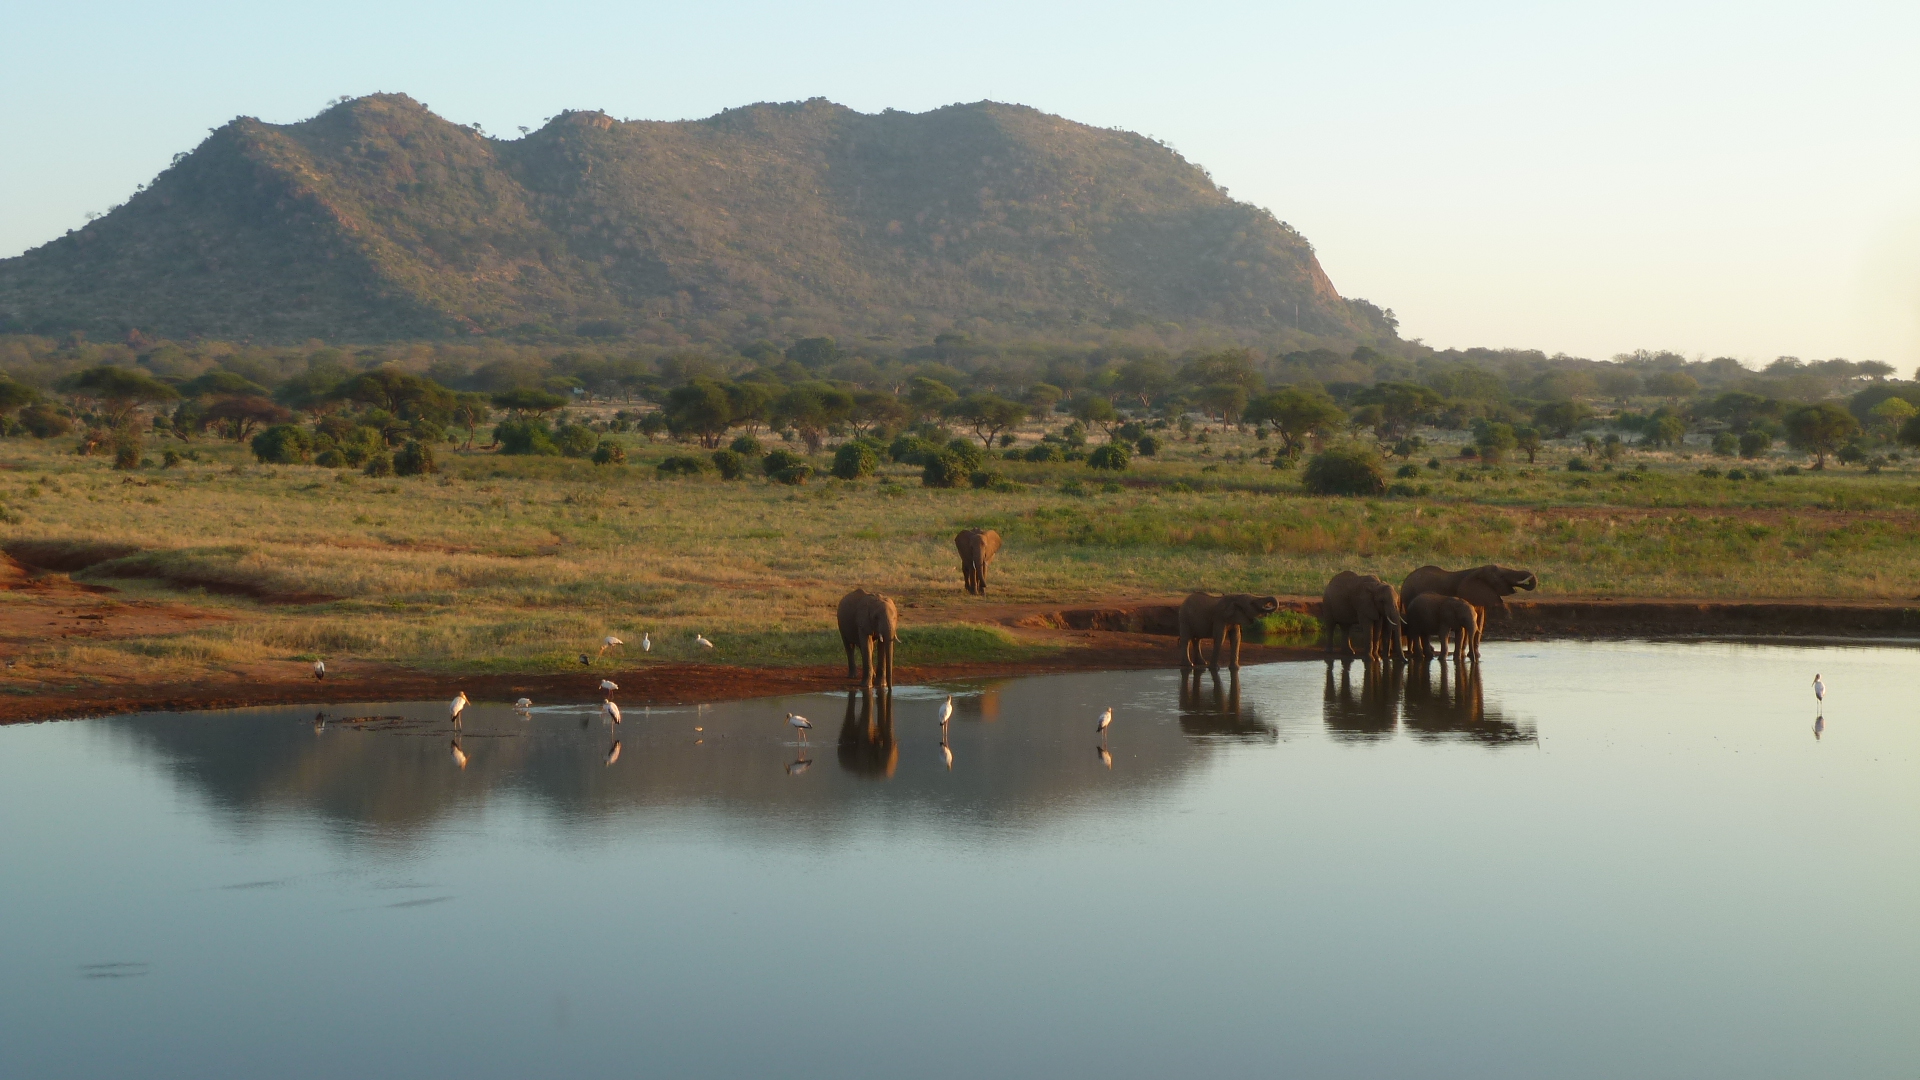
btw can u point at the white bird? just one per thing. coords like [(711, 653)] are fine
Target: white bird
[(613, 752), (609, 642), (459, 755), (646, 643), (457, 706), (1106, 721), (609, 684), (800, 723), (700, 640), (610, 710), (1819, 689), (947, 753), (946, 711), (319, 669), (523, 704)]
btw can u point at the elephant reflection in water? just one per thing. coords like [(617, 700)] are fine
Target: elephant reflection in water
[(1217, 710), (1453, 705), (867, 746), (1369, 717)]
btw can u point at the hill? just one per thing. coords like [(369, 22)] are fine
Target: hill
[(378, 220)]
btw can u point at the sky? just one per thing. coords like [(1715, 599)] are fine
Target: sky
[(1718, 179)]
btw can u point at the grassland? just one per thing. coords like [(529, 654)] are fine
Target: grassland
[(518, 564)]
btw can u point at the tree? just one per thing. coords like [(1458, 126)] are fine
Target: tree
[(1495, 442), (1665, 429), (1672, 384), (1562, 418), (282, 444), (1820, 429), (470, 410), (929, 396), (237, 416), (750, 402), (1402, 404), (1112, 457), (1910, 432), (988, 415), (699, 409), (814, 352), (1296, 415), (1742, 410), (1042, 397), (401, 393), (812, 410), (15, 395), (221, 384), (1225, 400), (876, 410), (1528, 440), (525, 401), (1892, 413), (1344, 471), (117, 390), (1094, 409), (1144, 379)]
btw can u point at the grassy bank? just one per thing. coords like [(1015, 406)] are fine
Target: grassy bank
[(513, 564)]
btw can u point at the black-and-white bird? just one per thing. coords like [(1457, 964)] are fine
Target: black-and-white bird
[(609, 684), (610, 710), (609, 642), (457, 706), (946, 711), (701, 640), (585, 660), (319, 669), (1819, 690), (800, 724), (1106, 721)]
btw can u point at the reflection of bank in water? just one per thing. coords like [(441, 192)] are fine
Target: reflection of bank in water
[(1211, 707), (1433, 702)]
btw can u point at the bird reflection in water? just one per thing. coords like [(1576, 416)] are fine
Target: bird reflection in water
[(613, 752), (946, 754), (1369, 716), (1454, 706), (1819, 726), (800, 764), (459, 755), (867, 746), (1217, 711), (1106, 756), (319, 722)]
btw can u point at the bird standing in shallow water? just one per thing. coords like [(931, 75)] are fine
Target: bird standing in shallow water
[(1819, 690), (319, 669), (523, 704), (946, 713), (800, 724), (610, 710), (457, 706), (1106, 721)]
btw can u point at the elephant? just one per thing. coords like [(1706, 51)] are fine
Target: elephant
[(1204, 615), (977, 549), (1431, 614), (870, 622), (1481, 586), (1352, 601)]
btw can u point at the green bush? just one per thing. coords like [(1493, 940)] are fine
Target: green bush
[(1148, 445), (1344, 470), (45, 421), (609, 452), (380, 464), (985, 480), (966, 451), (1726, 444), (522, 437), (1408, 471), (1112, 457), (1710, 473), (576, 440), (282, 444), (731, 463), (170, 458), (747, 447), (779, 461), (944, 470), (1045, 452), (1753, 444), (855, 460), (912, 450), (793, 474), (1579, 464), (415, 459), (127, 446), (681, 465)]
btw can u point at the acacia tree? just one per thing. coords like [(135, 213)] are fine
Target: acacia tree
[(1820, 429), (929, 396), (1096, 410), (525, 401), (812, 410), (117, 391), (989, 415), (1295, 415), (876, 409), (470, 410), (237, 415), (1402, 404), (699, 409), (751, 402)]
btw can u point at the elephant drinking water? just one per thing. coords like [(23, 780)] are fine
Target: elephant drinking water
[(1352, 602), (1481, 586), (1204, 615)]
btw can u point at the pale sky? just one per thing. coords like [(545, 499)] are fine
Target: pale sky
[(1715, 178)]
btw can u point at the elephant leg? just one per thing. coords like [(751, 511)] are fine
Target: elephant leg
[(1219, 638), (866, 660), (982, 575), (1233, 664), (883, 654), (849, 659)]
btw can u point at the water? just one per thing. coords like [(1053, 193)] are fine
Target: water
[(1604, 860)]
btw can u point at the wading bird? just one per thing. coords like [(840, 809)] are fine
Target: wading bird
[(609, 642), (585, 660), (946, 711), (646, 642), (800, 724), (700, 640), (1819, 690), (459, 755), (609, 684), (1106, 721), (457, 706), (319, 669), (523, 704), (610, 710)]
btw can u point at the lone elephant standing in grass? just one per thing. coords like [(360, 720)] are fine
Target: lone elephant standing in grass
[(1482, 586), (1352, 602), (977, 549), (870, 623), (1430, 614), (1204, 615)]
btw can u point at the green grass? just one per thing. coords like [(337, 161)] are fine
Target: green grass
[(519, 564)]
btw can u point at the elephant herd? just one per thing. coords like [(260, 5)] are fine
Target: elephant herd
[(1450, 605)]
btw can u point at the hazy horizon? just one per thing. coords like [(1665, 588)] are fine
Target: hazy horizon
[(1697, 177)]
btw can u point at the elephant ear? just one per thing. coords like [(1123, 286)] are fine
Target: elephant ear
[(1476, 591)]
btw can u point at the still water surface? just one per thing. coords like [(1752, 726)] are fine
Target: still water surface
[(1597, 860)]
